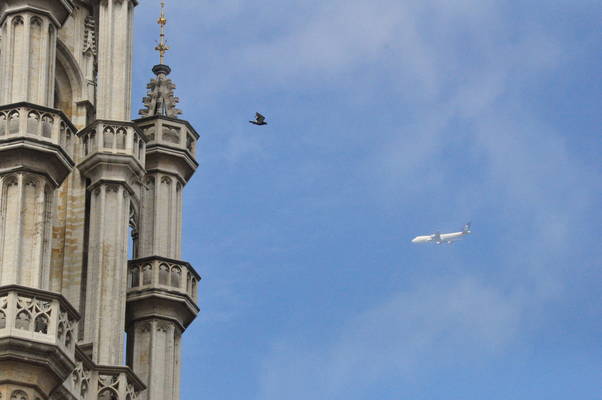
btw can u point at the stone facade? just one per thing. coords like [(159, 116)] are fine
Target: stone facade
[(90, 210)]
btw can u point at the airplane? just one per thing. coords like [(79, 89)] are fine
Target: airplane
[(439, 238)]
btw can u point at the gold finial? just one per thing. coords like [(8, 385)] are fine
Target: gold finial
[(162, 46)]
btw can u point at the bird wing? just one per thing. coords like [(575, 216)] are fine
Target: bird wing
[(260, 118)]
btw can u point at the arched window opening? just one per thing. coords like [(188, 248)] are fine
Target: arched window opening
[(23, 321), (134, 277), (163, 274), (13, 123), (108, 138), (176, 273), (63, 89), (147, 274), (33, 121), (41, 324)]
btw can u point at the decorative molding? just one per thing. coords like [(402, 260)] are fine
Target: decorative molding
[(90, 36)]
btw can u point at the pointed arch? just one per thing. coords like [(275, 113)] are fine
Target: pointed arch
[(69, 80)]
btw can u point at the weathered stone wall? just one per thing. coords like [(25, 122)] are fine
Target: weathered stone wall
[(27, 70), (115, 59), (25, 225)]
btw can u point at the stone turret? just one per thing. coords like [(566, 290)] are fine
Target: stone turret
[(162, 289)]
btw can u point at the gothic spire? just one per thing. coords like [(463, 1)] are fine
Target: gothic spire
[(160, 99)]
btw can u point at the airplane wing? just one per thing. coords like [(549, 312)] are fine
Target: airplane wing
[(436, 237)]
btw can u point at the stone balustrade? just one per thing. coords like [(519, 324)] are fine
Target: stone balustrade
[(91, 382), (163, 273), (113, 137), (170, 132), (171, 146), (42, 124), (38, 316)]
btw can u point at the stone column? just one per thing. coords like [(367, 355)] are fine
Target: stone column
[(113, 162), (115, 59), (154, 348), (29, 34), (161, 216), (25, 228), (106, 281)]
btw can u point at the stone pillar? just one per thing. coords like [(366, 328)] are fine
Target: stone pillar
[(115, 59), (113, 162), (106, 281), (25, 228), (155, 355), (161, 216), (28, 47)]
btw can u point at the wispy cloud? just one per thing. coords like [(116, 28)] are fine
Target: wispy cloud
[(414, 331), (524, 164), (466, 75)]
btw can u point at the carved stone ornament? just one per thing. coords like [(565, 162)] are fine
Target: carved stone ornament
[(89, 36), (160, 99)]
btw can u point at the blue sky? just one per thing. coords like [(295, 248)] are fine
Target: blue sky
[(389, 119)]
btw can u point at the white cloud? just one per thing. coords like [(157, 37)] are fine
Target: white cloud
[(454, 61), (429, 326), (525, 162)]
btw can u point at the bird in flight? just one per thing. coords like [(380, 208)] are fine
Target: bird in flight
[(259, 119)]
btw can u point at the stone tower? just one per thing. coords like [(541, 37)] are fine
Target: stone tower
[(90, 209)]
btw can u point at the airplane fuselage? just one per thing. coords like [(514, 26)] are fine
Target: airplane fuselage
[(440, 238), (446, 237)]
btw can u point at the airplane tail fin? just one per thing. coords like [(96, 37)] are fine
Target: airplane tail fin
[(466, 229)]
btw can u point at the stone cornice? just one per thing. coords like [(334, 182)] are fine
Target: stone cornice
[(144, 304), (40, 145), (51, 356), (181, 157), (111, 160)]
